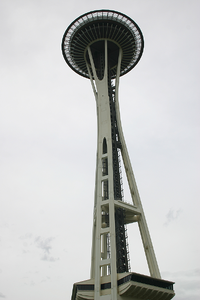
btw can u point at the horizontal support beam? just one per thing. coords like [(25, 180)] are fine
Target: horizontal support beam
[(127, 207), (105, 230), (105, 262)]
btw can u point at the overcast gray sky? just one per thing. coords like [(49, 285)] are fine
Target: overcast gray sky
[(48, 146)]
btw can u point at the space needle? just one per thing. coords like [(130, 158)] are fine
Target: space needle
[(103, 45)]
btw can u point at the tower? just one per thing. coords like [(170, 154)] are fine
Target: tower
[(103, 45)]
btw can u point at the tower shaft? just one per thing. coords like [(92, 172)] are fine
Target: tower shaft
[(109, 247)]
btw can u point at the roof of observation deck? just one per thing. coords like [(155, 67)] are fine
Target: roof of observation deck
[(98, 25)]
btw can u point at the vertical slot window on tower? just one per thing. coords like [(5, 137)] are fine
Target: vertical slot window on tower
[(103, 246), (105, 254), (104, 190), (105, 166), (105, 216), (104, 146), (104, 271)]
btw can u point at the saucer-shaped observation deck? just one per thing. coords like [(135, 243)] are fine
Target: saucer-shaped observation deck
[(91, 29)]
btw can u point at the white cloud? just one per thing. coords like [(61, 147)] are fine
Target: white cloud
[(44, 243), (172, 215), (47, 257), (2, 295), (186, 284)]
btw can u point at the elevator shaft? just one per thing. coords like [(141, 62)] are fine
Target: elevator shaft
[(121, 237)]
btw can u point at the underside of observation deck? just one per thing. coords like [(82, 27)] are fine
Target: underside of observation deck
[(91, 28)]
